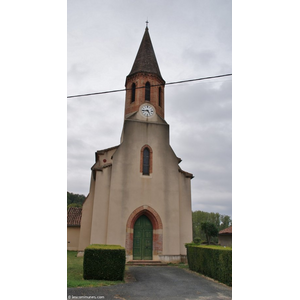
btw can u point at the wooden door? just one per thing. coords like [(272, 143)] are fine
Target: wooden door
[(142, 239)]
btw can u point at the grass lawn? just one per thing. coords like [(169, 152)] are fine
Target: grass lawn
[(75, 273), (179, 265)]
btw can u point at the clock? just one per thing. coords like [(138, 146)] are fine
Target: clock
[(147, 110)]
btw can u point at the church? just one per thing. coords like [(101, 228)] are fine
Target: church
[(139, 196)]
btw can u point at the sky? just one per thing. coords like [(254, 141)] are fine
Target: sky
[(190, 41)]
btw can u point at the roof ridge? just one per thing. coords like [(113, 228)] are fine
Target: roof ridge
[(226, 230)]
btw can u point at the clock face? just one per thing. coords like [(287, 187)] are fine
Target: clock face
[(147, 110)]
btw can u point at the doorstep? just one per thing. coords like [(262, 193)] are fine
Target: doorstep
[(156, 263)]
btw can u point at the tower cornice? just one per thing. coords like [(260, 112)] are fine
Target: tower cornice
[(144, 74)]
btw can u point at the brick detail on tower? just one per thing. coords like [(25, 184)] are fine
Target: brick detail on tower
[(145, 69)]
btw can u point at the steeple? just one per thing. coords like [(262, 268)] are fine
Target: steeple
[(145, 60), (144, 84)]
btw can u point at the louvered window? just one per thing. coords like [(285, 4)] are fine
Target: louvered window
[(147, 91), (133, 92), (159, 96)]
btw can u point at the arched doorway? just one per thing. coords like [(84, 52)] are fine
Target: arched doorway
[(142, 239), (157, 226)]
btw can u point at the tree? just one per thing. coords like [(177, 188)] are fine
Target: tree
[(74, 205), (198, 217), (210, 230), (225, 222), (75, 199)]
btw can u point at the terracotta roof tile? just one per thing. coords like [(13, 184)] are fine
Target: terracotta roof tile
[(226, 230), (74, 216), (145, 60)]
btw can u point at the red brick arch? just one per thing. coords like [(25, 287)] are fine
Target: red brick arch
[(155, 219)]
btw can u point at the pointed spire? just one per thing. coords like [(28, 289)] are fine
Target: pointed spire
[(145, 60)]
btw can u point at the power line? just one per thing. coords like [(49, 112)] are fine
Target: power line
[(141, 87)]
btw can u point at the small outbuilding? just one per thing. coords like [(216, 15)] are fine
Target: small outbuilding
[(73, 220), (225, 237)]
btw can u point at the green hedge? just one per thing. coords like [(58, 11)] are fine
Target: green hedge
[(104, 262), (214, 262)]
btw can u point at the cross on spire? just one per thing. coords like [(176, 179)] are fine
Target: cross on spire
[(147, 23)]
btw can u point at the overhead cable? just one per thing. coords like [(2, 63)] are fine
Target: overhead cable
[(141, 87)]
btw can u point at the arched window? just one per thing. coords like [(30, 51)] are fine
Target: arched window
[(147, 91), (146, 161), (133, 92), (159, 96)]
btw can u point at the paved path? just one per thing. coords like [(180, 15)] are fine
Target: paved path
[(158, 283)]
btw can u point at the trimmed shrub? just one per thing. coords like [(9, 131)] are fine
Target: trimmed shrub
[(197, 240), (104, 262), (214, 262)]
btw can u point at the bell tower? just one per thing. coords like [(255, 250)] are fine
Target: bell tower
[(144, 84)]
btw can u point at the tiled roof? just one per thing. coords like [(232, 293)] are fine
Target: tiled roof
[(145, 60), (186, 174), (74, 216), (226, 230)]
